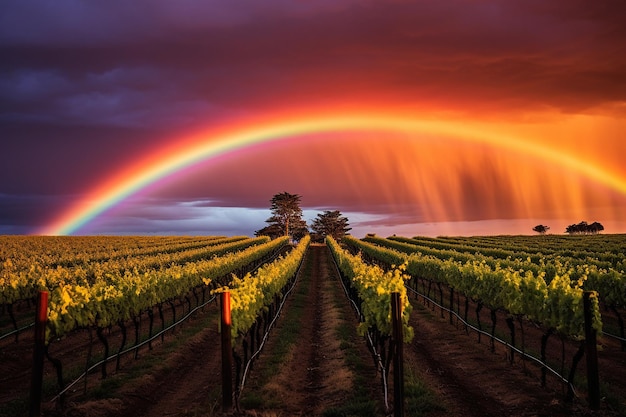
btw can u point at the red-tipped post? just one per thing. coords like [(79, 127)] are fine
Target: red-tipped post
[(39, 351), (227, 358)]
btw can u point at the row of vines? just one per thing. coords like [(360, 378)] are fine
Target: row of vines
[(517, 281), (145, 280), (104, 293)]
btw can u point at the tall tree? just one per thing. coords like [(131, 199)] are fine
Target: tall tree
[(330, 223), (286, 219)]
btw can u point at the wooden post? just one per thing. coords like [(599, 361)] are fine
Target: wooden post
[(398, 359), (593, 378), (227, 356), (39, 352), (451, 303)]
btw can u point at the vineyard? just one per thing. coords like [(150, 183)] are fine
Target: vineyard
[(526, 304)]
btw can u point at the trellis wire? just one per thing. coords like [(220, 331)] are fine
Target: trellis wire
[(182, 319), (503, 342), (622, 339), (95, 365), (28, 326), (21, 329)]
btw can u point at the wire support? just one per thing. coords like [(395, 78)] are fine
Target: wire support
[(621, 339), (495, 338), (273, 256), (111, 357), (21, 329)]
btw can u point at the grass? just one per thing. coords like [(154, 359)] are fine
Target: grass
[(361, 402), (419, 400), (289, 332)]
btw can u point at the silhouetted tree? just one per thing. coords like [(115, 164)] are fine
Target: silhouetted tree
[(330, 223), (595, 227), (540, 228), (584, 228), (286, 218), (576, 229)]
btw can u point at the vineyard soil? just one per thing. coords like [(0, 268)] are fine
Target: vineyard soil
[(312, 375)]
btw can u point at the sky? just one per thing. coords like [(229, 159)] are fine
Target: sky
[(419, 117)]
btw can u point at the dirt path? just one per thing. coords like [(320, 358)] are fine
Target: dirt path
[(471, 379), (179, 377), (313, 376), (189, 382)]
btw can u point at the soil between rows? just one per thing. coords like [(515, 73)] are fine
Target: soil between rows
[(314, 376)]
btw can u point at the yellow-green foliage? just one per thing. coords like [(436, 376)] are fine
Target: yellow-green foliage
[(374, 287), (121, 294), (557, 304), (251, 294)]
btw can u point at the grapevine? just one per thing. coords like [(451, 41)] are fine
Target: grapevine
[(556, 305), (374, 287), (252, 293)]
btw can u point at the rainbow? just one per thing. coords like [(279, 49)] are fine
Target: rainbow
[(209, 146)]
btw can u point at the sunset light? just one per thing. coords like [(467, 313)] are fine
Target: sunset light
[(486, 175), (409, 117)]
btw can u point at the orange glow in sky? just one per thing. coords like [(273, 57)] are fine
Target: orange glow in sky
[(450, 117), (453, 171)]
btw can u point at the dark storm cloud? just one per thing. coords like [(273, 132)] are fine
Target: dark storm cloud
[(22, 214), (136, 63), (55, 159)]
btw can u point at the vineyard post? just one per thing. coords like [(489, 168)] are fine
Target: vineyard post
[(593, 379), (227, 356), (398, 360), (39, 351)]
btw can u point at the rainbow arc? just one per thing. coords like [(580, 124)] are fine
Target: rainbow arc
[(213, 145)]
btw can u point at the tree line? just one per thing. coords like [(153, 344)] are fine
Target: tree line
[(286, 220), (582, 228)]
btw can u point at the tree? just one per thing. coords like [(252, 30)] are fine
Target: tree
[(541, 229), (330, 223), (584, 228), (595, 227), (273, 231), (286, 219)]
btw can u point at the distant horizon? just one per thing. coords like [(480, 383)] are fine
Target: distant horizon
[(518, 227)]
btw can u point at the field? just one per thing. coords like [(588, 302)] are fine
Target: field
[(156, 299)]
